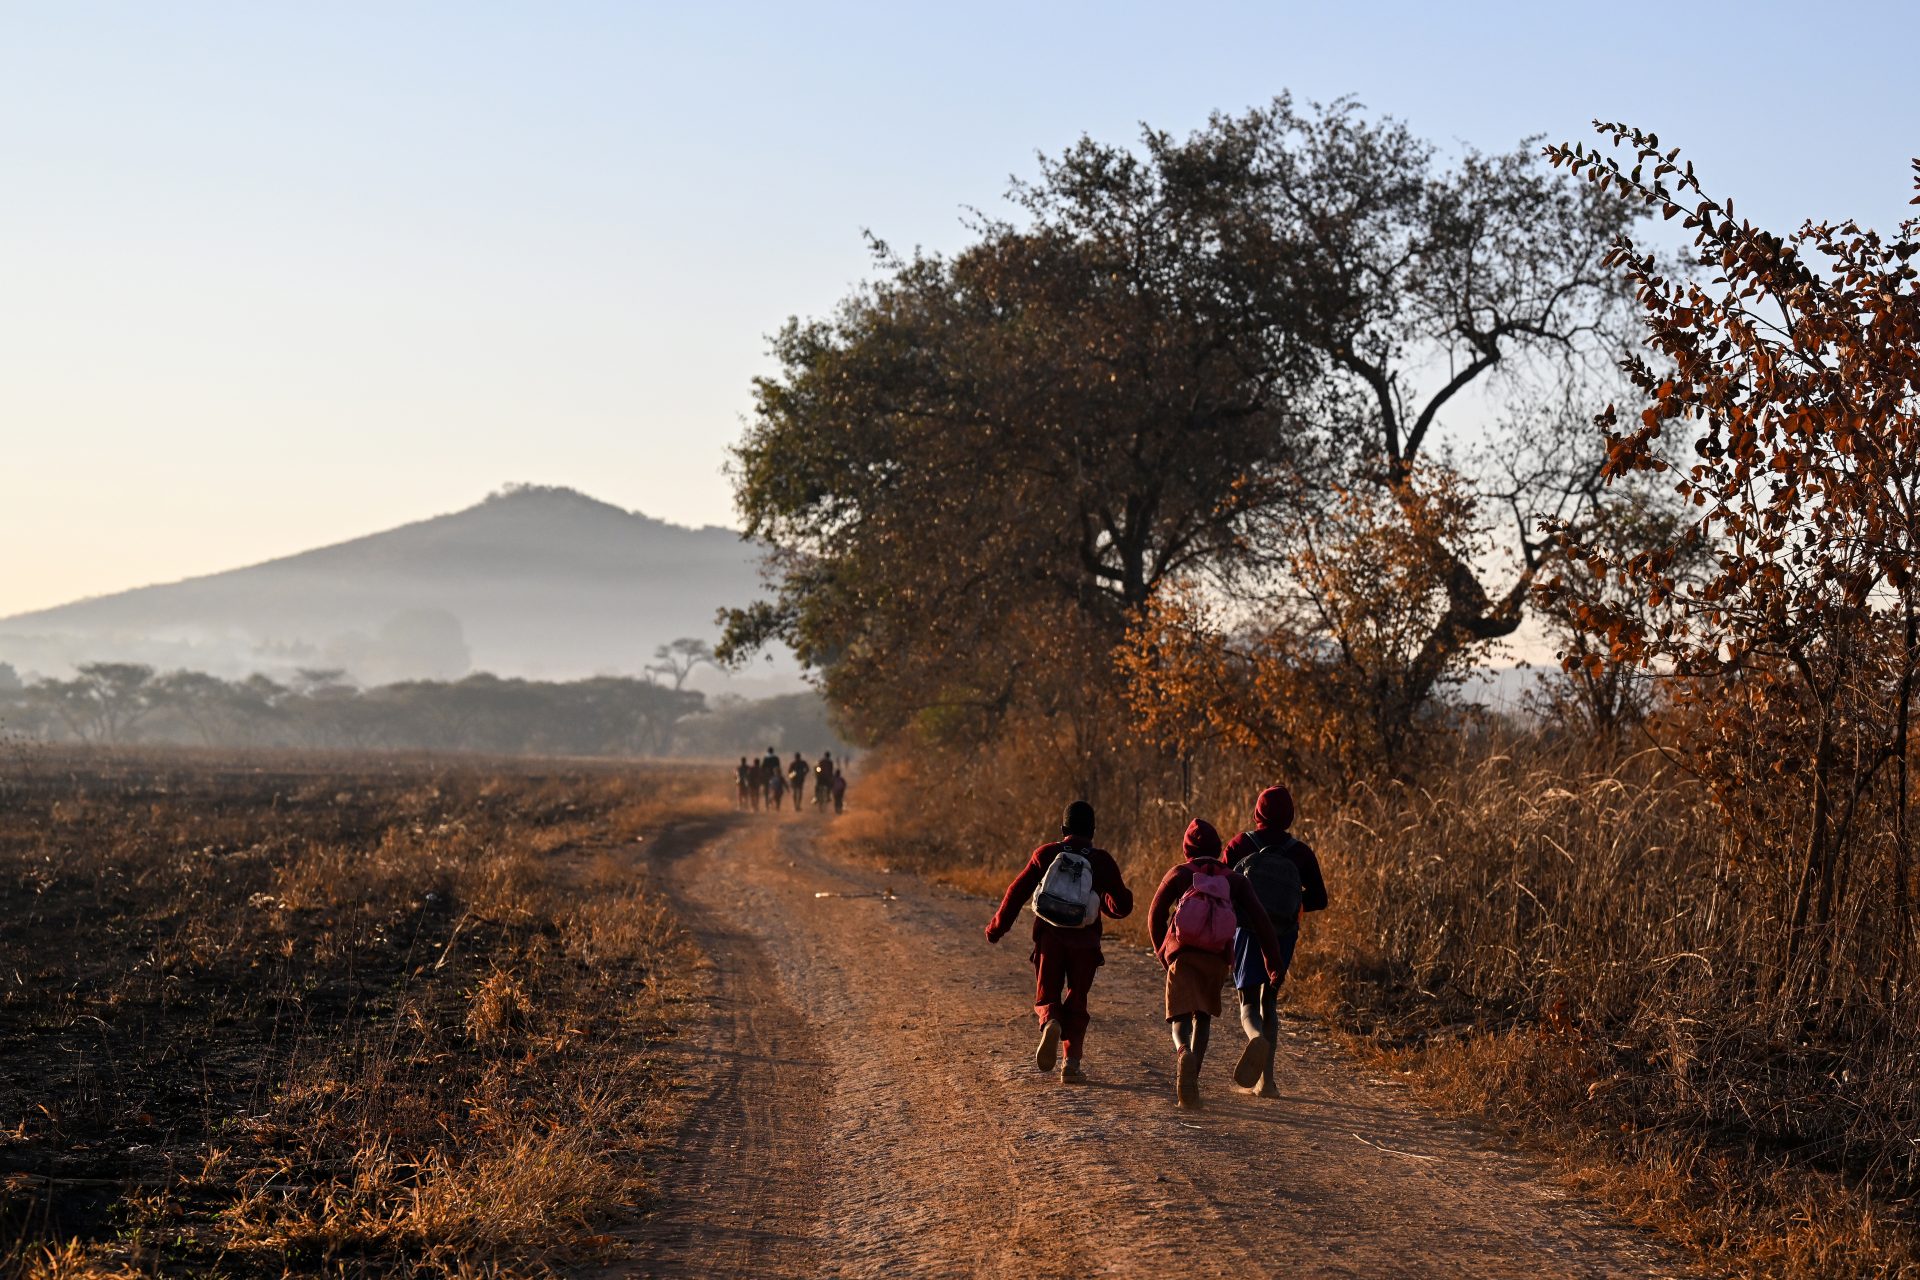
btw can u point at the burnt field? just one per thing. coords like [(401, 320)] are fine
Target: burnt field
[(348, 1016)]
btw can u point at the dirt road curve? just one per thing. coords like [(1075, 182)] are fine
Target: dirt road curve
[(867, 1106)]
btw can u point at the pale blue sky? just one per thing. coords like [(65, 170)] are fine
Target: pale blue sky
[(273, 275)]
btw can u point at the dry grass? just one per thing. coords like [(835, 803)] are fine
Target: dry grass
[(1564, 944), (1575, 949), (354, 1017)]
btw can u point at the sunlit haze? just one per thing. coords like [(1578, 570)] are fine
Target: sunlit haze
[(277, 275)]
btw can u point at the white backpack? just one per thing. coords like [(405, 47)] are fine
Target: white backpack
[(1066, 896)]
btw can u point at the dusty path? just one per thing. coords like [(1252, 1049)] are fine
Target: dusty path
[(868, 1106)]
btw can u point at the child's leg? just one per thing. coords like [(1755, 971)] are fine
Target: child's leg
[(1081, 965), (1265, 1086), (1250, 1005), (1049, 977), (1253, 1059), (1190, 1031)]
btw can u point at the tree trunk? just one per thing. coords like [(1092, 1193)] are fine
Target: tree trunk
[(1813, 900)]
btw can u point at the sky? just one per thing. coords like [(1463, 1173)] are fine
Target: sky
[(277, 275)]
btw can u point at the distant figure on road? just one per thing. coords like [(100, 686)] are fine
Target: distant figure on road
[(777, 791), (743, 778), (1196, 909), (769, 773), (1072, 885), (839, 790), (823, 780), (797, 775), (1285, 876)]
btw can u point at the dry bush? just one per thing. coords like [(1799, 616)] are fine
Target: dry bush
[(350, 1016)]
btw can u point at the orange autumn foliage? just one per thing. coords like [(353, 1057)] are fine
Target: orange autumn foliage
[(1782, 400), (1337, 670)]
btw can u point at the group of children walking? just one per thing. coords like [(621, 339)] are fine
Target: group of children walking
[(766, 783), (1219, 912)]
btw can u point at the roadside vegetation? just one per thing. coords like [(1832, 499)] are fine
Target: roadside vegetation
[(343, 1017), (129, 703), (1274, 433)]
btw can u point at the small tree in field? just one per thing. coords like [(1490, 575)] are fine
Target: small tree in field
[(1783, 401), (104, 701), (678, 660)]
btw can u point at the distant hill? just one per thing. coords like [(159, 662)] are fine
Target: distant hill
[(545, 583)]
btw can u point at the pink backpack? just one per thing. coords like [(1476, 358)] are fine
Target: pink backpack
[(1204, 919)]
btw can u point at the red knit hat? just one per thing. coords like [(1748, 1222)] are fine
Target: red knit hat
[(1274, 809), (1202, 841)]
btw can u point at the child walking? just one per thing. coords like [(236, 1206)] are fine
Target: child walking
[(1072, 885), (1285, 876), (1195, 913), (797, 775)]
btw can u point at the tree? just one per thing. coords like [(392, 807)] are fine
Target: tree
[(1422, 290), (203, 700), (981, 466), (1782, 400), (1593, 696), (1339, 672), (104, 701), (977, 473), (328, 709), (679, 659)]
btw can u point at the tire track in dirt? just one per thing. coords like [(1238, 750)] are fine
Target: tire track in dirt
[(738, 1194), (872, 1109)]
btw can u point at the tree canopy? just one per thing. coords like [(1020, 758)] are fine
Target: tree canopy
[(1167, 368)]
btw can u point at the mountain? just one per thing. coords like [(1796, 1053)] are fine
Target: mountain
[(534, 581)]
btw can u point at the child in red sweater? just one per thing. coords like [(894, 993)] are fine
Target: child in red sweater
[(1287, 890), (1071, 898), (1196, 910)]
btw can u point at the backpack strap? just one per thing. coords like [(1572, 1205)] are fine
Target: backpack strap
[(1287, 841)]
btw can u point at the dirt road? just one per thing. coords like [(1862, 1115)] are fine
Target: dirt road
[(866, 1105)]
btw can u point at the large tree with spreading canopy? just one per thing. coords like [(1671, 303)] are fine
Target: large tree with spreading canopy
[(1168, 367)]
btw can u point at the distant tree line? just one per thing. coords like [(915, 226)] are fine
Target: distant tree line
[(119, 703)]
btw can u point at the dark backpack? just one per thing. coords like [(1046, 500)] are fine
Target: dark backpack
[(1275, 879)]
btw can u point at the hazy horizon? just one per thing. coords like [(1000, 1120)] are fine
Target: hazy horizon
[(537, 583), (278, 278)]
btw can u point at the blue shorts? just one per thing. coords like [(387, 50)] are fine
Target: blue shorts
[(1248, 971)]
